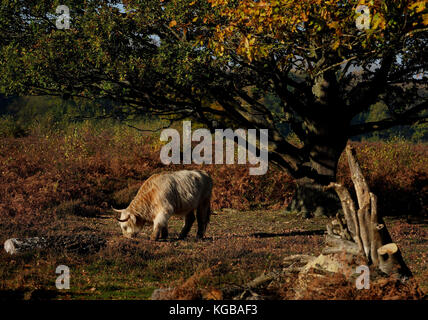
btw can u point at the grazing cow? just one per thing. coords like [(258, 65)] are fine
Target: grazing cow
[(179, 193)]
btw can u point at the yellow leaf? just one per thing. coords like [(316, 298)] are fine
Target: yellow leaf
[(246, 43), (333, 25), (173, 23), (336, 44), (420, 6)]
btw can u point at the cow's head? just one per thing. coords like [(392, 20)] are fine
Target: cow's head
[(128, 223)]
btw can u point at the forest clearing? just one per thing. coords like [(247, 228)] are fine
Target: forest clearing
[(296, 129), (60, 189)]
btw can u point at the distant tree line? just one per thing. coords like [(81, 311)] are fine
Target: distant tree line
[(24, 111)]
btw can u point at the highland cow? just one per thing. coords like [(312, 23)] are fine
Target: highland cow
[(180, 193)]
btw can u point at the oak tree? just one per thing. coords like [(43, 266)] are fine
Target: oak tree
[(215, 61)]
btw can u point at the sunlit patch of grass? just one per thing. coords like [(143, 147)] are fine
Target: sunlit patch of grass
[(46, 189), (133, 268)]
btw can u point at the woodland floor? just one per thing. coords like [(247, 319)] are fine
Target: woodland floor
[(239, 246)]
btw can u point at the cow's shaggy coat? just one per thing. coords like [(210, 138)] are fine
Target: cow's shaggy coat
[(180, 193)]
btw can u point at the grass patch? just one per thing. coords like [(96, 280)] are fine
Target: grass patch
[(132, 269)]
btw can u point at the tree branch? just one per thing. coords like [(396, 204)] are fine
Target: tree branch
[(385, 124)]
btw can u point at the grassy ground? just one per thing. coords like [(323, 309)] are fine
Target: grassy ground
[(64, 182), (238, 247)]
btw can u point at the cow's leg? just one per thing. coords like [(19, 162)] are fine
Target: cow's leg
[(164, 233), (188, 222), (156, 233), (203, 215), (160, 227)]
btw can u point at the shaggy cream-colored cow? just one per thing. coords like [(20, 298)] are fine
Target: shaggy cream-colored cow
[(179, 193)]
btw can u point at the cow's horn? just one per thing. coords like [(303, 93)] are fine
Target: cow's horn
[(120, 211), (124, 220), (117, 210)]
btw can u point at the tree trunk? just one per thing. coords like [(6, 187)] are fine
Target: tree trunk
[(362, 230), (311, 198)]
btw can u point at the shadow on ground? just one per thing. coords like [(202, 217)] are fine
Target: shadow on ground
[(38, 294), (287, 234)]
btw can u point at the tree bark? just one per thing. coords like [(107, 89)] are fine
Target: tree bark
[(366, 228), (311, 198)]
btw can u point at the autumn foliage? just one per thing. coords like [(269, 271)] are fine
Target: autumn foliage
[(254, 29)]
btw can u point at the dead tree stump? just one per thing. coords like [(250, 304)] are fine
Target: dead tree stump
[(362, 231)]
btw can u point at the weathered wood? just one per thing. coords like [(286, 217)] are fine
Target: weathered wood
[(347, 205), (375, 237), (391, 261), (364, 232), (261, 280), (335, 245), (344, 231), (371, 238), (361, 187), (14, 245), (349, 213), (78, 243), (389, 248)]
